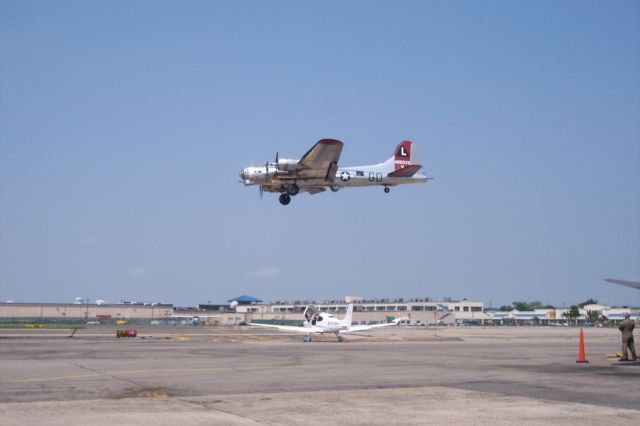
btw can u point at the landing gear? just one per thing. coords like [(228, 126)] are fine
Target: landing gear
[(334, 188), (285, 199), (307, 338), (293, 190), (386, 189), (340, 338)]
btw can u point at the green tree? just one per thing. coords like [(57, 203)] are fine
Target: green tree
[(535, 305), (506, 308), (593, 316), (588, 302), (521, 306), (573, 313)]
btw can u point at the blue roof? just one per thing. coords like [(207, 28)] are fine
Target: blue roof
[(245, 299), (621, 316), (543, 316)]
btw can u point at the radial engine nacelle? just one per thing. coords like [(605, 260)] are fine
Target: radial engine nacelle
[(289, 165)]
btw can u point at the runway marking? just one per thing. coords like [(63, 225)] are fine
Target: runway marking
[(164, 370), (123, 373)]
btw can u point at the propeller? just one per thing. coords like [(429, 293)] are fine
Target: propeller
[(276, 159), (261, 190)]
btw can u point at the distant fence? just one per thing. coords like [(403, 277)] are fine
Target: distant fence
[(41, 323)]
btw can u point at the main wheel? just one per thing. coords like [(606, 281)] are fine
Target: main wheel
[(293, 190), (334, 188), (386, 189), (285, 199)]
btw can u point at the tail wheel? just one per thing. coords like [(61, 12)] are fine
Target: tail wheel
[(293, 190), (285, 199), (334, 188), (386, 189)]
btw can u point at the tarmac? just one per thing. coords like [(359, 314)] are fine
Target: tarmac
[(245, 376)]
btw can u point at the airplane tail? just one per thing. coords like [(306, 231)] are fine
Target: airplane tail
[(404, 162), (348, 318)]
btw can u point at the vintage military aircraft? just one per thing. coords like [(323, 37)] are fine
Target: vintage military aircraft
[(322, 323), (318, 170)]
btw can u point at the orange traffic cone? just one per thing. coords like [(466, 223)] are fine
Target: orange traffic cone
[(581, 357)]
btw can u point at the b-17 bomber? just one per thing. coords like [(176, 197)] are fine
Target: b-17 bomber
[(318, 170)]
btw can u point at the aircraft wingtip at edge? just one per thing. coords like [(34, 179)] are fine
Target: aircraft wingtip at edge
[(330, 142), (627, 283)]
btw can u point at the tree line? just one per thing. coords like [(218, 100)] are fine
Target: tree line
[(571, 314), (530, 306)]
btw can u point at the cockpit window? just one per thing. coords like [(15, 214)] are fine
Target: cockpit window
[(319, 318)]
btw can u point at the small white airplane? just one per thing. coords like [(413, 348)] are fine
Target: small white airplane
[(318, 170), (325, 323)]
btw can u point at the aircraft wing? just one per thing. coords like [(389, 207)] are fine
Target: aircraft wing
[(321, 161), (632, 284), (292, 328), (315, 190), (356, 328)]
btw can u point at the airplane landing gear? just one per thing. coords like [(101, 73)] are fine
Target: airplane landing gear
[(340, 338), (285, 199), (293, 190), (334, 188), (386, 189), (307, 338)]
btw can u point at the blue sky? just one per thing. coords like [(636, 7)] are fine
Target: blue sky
[(123, 126)]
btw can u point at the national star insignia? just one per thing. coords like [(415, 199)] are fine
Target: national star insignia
[(345, 176)]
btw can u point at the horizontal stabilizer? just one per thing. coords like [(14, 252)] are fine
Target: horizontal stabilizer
[(406, 171)]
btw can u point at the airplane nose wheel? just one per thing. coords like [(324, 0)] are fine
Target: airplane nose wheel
[(386, 189), (285, 199)]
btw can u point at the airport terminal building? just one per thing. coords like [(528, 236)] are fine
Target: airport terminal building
[(245, 309), (411, 311)]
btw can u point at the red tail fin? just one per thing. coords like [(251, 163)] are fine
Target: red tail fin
[(402, 157)]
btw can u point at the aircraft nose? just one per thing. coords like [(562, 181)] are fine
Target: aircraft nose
[(244, 177)]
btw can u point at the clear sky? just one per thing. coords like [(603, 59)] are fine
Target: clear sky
[(124, 124)]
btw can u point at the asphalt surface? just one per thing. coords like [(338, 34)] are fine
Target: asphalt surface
[(248, 376)]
